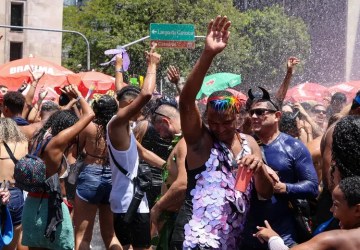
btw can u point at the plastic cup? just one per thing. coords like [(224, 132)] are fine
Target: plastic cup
[(243, 178)]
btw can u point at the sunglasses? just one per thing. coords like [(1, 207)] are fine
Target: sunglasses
[(318, 111), (156, 113), (261, 112)]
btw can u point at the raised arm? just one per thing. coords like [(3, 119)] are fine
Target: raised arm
[(173, 75), (34, 113), (36, 76), (216, 41), (61, 141), (119, 79), (124, 114), (281, 93)]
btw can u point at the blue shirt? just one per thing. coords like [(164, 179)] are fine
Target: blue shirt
[(292, 161)]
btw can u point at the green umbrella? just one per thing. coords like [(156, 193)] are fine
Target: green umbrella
[(219, 81)]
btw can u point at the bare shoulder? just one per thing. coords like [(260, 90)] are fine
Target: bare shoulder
[(254, 146), (314, 146), (180, 147), (330, 240)]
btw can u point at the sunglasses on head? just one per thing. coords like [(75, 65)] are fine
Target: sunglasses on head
[(261, 112)]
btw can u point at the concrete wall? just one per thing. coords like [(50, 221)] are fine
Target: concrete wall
[(38, 14)]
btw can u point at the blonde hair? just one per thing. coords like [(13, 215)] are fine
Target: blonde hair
[(10, 132)]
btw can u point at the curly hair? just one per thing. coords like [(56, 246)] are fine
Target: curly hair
[(56, 123), (346, 146), (10, 132), (288, 124), (351, 189), (104, 108), (15, 101)]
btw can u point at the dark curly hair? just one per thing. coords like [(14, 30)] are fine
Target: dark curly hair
[(351, 189), (15, 101), (104, 108), (56, 123), (288, 124), (346, 146)]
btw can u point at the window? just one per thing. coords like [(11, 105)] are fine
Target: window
[(16, 51), (17, 15)]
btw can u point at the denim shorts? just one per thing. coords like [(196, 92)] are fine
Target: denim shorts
[(94, 184), (16, 205)]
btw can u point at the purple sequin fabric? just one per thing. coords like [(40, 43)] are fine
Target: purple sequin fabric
[(219, 211)]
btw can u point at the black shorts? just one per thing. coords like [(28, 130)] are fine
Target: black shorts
[(136, 233)]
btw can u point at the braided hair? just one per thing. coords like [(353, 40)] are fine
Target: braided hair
[(104, 108), (56, 123)]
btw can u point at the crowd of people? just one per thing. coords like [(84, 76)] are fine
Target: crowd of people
[(176, 174)]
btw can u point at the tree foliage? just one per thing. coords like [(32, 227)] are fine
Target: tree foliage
[(260, 43)]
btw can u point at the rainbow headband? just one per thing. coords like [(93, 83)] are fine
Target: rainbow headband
[(224, 103)]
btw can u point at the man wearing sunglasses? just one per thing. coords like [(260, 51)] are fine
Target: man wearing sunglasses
[(291, 160)]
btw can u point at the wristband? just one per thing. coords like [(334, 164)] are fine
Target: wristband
[(163, 166), (120, 70), (276, 243), (78, 98)]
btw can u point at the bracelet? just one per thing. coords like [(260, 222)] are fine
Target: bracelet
[(149, 73), (163, 166), (78, 98), (120, 70), (32, 85)]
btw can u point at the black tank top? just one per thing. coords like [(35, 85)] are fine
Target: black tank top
[(153, 142), (191, 181)]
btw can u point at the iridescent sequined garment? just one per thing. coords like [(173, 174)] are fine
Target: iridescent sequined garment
[(219, 211)]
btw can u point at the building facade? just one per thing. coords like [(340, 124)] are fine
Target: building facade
[(17, 43)]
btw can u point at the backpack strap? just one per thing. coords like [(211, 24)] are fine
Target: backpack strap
[(10, 153), (122, 170), (40, 148)]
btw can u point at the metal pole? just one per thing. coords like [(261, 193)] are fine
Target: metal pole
[(56, 30), (136, 41), (144, 38)]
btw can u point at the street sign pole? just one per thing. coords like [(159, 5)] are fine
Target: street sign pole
[(57, 30)]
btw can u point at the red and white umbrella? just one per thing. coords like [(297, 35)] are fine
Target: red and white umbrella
[(15, 73), (307, 92), (348, 88)]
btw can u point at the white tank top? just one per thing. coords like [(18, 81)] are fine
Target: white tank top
[(122, 188)]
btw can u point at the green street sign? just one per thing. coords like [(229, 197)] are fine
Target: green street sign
[(172, 32)]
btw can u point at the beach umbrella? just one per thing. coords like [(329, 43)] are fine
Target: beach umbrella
[(101, 82), (307, 92), (348, 88), (218, 81), (15, 73)]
